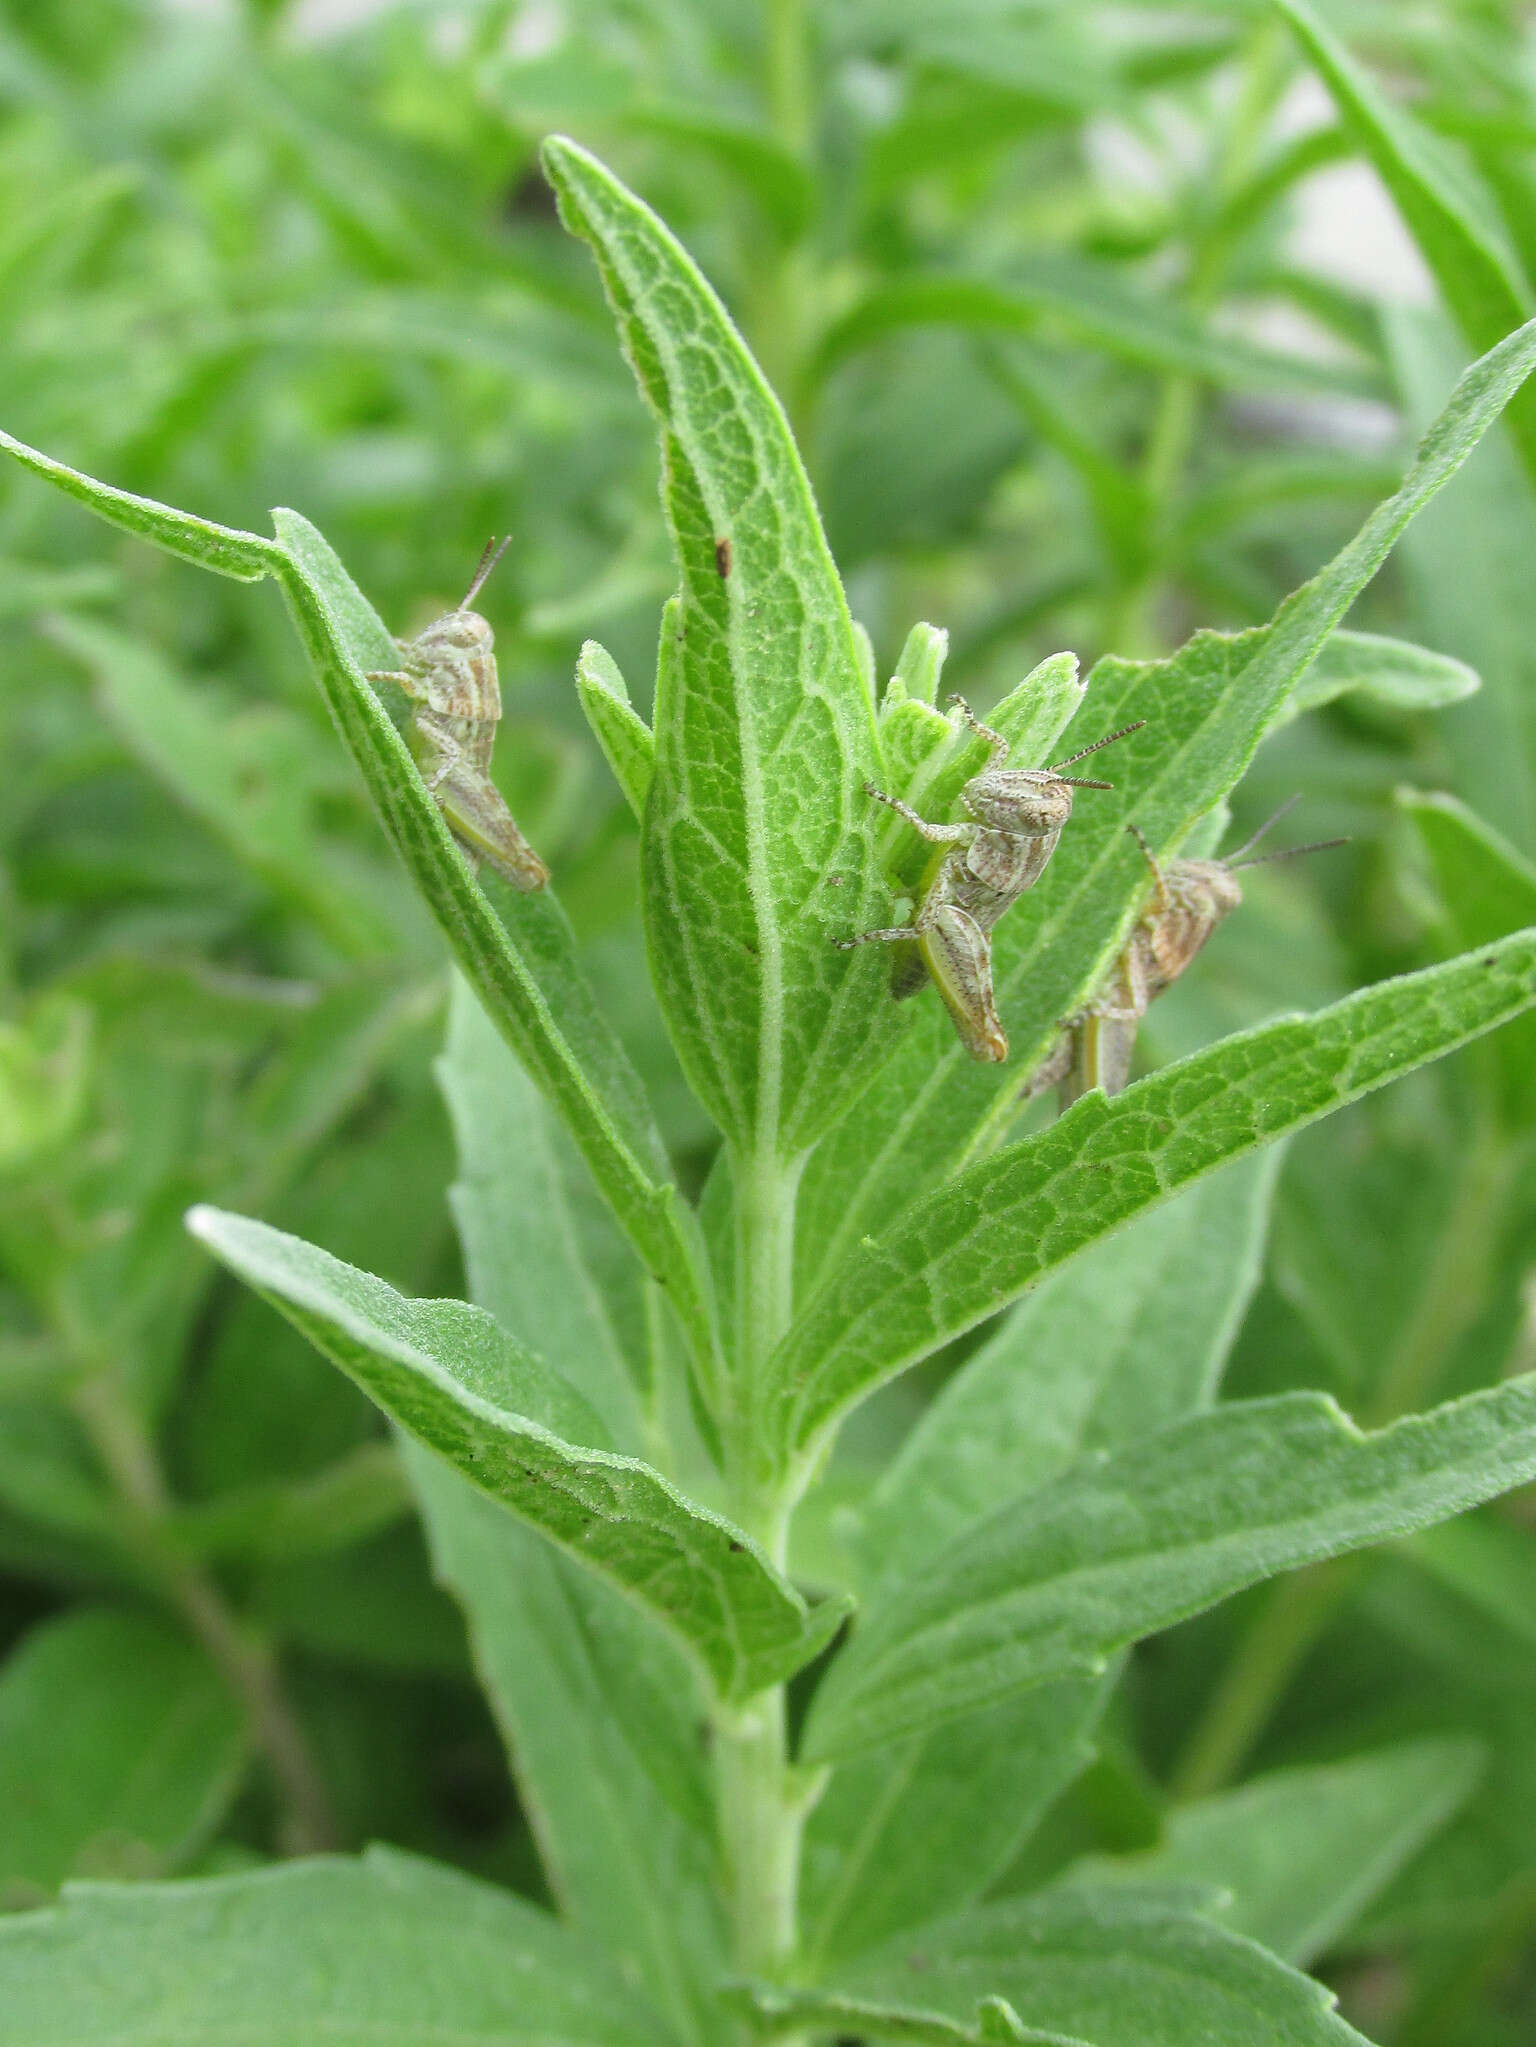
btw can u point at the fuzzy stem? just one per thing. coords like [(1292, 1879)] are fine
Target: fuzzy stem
[(760, 1831), (761, 1806)]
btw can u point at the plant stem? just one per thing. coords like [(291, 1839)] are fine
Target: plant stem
[(246, 1663), (787, 39), (761, 1806), (760, 1831), (766, 1193)]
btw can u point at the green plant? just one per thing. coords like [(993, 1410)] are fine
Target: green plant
[(740, 1833)]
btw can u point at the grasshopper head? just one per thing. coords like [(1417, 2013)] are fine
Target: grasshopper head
[(1032, 803), (1209, 887), (456, 632), (1197, 896), (1027, 803)]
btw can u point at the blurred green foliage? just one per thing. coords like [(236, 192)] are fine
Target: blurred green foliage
[(1028, 279)]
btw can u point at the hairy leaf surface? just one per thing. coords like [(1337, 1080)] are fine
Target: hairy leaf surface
[(764, 727), (976, 1243), (516, 950), (600, 1711), (387, 1949), (454, 1380), (1117, 1968), (1301, 1853), (1125, 1546), (1207, 707)]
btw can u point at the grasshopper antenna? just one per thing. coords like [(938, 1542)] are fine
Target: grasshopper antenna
[(1081, 781), (1286, 853), (1253, 838), (487, 562)]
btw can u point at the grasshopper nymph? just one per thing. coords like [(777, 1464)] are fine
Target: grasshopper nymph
[(449, 672), (1189, 899), (978, 870)]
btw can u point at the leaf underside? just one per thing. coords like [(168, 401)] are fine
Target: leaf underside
[(455, 1382)]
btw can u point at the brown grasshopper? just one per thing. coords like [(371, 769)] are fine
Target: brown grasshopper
[(449, 672), (1189, 899), (977, 871)]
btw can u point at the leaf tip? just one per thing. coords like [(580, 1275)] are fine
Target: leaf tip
[(202, 1221), (561, 157)]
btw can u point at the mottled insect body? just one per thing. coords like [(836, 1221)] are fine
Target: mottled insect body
[(979, 869), (448, 670), (1189, 900)]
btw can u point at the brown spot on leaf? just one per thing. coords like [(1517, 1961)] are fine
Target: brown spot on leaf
[(723, 557)]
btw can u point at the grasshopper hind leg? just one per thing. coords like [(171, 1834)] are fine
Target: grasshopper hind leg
[(956, 953), (477, 815), (908, 972)]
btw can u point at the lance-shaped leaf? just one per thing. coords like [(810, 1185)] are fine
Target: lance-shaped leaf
[(1125, 1339), (599, 1708), (909, 1834), (776, 2011), (517, 952), (451, 1377), (1117, 1968), (764, 729), (620, 730), (228, 552), (1301, 1853), (120, 1749), (1207, 707), (979, 1241), (540, 1253), (1122, 1547), (601, 1717), (354, 1953), (1393, 672), (1466, 577), (1454, 221)]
